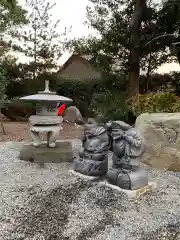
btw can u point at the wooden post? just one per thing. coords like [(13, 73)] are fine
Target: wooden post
[(2, 125)]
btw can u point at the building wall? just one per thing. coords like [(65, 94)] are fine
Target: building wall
[(79, 70)]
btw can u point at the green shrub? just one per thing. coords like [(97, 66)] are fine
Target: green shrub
[(110, 106), (80, 91), (18, 111), (154, 103), (25, 87)]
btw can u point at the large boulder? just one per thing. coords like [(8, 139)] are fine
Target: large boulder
[(73, 115), (161, 132)]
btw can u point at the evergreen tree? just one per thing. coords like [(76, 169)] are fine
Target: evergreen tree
[(11, 15), (124, 29), (42, 41)]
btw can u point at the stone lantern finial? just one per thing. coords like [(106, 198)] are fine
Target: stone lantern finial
[(47, 86)]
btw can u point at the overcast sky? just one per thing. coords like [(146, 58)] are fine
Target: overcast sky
[(72, 13)]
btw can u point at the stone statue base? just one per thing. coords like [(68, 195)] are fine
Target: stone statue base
[(90, 178), (63, 152), (132, 193), (90, 167)]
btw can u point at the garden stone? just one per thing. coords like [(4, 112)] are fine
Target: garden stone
[(161, 133), (73, 115)]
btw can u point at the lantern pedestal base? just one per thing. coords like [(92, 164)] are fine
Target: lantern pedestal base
[(62, 152), (51, 131)]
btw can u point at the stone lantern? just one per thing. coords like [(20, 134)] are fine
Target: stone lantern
[(45, 121)]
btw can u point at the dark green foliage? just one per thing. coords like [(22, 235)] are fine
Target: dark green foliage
[(164, 82), (111, 106), (80, 91), (11, 14), (169, 22), (104, 97), (18, 111), (42, 39), (169, 17), (175, 82), (22, 88), (110, 21), (110, 50), (155, 82), (3, 84), (113, 82)]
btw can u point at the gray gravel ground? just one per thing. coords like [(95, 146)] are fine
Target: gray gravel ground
[(48, 203)]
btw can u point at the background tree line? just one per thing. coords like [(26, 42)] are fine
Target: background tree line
[(131, 36)]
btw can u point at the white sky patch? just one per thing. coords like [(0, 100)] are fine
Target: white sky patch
[(169, 67), (72, 13)]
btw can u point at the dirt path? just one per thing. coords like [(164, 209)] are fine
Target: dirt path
[(19, 131)]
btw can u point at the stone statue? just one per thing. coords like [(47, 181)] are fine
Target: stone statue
[(127, 147), (93, 157)]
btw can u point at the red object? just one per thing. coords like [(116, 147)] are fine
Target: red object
[(61, 110)]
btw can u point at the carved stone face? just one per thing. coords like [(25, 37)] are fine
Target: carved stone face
[(115, 128), (96, 138), (117, 134)]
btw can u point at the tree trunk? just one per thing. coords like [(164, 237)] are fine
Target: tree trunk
[(148, 81), (134, 56), (35, 47)]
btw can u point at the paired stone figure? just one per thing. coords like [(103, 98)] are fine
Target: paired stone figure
[(93, 156), (127, 146)]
